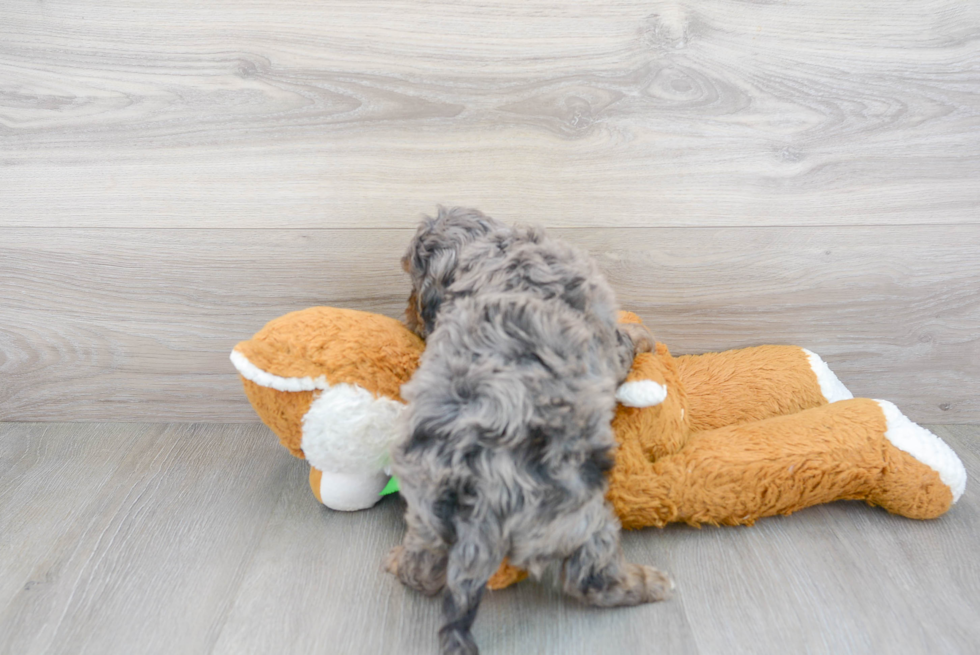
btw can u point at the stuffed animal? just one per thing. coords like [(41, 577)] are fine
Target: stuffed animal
[(327, 382), (719, 438), (767, 430)]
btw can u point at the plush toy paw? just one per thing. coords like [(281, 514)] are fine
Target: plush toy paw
[(347, 492), (922, 476), (830, 385), (641, 393)]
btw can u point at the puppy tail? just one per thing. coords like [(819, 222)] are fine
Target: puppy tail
[(473, 558)]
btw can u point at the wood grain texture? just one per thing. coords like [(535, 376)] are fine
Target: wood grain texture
[(137, 324), (624, 113), (174, 175), (118, 539)]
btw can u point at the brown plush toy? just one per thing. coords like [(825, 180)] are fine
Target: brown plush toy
[(720, 438), (327, 382)]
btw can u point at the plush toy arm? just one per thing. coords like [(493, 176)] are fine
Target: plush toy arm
[(637, 391), (752, 384), (644, 385), (854, 449)]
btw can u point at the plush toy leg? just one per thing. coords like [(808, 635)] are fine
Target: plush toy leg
[(505, 576), (347, 492), (854, 449), (753, 384)]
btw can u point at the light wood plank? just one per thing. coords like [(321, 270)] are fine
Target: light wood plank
[(626, 113), (57, 483), (122, 539), (339, 599), (137, 324), (204, 538)]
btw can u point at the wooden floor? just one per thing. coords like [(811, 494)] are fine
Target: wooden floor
[(174, 174), (204, 538)]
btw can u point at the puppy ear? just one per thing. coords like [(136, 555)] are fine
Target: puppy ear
[(432, 257), (439, 276), (429, 302)]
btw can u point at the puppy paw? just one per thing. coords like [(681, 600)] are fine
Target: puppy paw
[(654, 585), (633, 584), (423, 571), (390, 563)]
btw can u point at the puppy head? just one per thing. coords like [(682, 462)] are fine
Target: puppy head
[(432, 257)]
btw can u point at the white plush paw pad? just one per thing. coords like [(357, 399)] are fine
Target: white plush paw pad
[(925, 447), (830, 386), (349, 492), (641, 393)]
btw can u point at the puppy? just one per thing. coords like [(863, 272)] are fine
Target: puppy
[(508, 430)]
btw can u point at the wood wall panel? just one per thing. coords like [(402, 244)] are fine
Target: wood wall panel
[(174, 174), (626, 113), (112, 324)]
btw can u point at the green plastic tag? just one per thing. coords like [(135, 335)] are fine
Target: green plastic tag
[(391, 487)]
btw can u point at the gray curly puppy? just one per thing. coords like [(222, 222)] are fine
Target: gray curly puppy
[(508, 432)]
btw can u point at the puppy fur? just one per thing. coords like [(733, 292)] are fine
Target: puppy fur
[(508, 432)]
